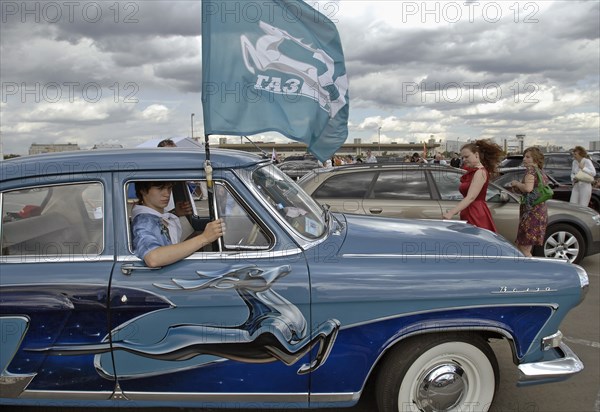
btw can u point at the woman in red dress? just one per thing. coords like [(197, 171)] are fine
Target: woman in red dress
[(479, 160)]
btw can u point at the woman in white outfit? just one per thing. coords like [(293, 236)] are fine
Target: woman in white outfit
[(582, 191)]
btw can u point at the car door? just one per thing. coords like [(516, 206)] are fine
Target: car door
[(401, 193), (227, 324), (56, 258), (344, 192)]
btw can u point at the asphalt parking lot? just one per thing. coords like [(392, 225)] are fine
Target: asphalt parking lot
[(580, 393)]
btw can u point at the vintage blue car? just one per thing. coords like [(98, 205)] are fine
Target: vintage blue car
[(295, 307)]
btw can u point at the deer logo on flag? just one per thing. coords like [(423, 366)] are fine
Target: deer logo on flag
[(265, 55)]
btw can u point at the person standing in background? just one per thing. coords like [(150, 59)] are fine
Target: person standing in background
[(582, 191), (455, 161), (480, 159), (533, 219), (370, 158)]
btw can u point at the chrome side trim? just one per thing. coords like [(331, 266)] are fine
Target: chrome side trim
[(71, 395), (564, 367), (225, 398), (335, 397), (552, 306), (437, 256), (264, 254), (218, 397)]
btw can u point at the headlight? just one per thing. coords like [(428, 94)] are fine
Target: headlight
[(596, 219)]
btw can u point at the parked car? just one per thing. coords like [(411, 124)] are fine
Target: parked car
[(298, 168), (561, 191), (305, 156), (424, 191), (295, 307), (558, 165)]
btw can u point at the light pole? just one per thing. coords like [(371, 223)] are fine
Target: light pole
[(379, 134), (192, 122)]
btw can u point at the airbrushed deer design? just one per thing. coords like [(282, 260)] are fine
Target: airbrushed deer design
[(275, 329)]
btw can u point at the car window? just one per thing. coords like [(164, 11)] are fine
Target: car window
[(558, 161), (447, 183), (58, 221), (345, 185), (401, 184), (493, 194), (285, 197), (511, 162), (243, 231), (509, 177)]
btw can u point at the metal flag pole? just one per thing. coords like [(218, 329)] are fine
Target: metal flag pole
[(210, 188)]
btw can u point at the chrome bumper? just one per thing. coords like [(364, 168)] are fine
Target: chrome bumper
[(560, 368)]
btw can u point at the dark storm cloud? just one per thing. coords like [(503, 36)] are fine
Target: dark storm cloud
[(395, 69)]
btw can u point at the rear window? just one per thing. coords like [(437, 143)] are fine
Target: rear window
[(401, 185), (345, 185), (558, 161)]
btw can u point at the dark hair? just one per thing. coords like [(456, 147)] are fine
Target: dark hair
[(489, 153), (579, 149), (536, 155), (166, 143), (145, 186)]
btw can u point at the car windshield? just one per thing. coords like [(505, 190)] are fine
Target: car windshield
[(298, 209), (511, 162)]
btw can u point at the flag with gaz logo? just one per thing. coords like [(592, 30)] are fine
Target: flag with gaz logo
[(274, 66)]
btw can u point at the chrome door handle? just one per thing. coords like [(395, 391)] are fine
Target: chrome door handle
[(127, 268)]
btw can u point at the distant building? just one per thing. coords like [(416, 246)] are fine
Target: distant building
[(354, 149), (52, 148), (594, 146)]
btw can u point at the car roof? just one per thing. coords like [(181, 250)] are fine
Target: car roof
[(517, 169), (87, 161), (379, 167)]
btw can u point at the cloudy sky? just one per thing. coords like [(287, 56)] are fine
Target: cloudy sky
[(94, 72)]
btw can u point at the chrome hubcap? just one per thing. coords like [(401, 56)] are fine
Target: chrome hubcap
[(441, 388), (562, 245)]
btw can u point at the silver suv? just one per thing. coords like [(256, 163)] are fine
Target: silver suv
[(423, 191)]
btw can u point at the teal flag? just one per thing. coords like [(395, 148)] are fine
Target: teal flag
[(274, 66)]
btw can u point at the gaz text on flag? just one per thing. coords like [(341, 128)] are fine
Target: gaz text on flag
[(274, 66)]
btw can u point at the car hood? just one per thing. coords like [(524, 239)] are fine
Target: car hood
[(567, 207), (374, 235)]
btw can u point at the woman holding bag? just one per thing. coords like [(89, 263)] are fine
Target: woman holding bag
[(582, 175), (533, 218)]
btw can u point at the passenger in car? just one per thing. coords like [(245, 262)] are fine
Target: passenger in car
[(157, 234)]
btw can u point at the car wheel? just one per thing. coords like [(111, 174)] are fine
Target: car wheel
[(438, 373), (563, 242)]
